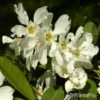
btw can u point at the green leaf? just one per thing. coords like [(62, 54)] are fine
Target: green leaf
[(14, 76), (18, 98), (48, 94), (89, 92), (59, 95), (91, 27), (52, 94)]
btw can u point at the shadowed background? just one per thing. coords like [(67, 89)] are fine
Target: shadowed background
[(80, 12)]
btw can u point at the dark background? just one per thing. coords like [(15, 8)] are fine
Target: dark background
[(80, 12)]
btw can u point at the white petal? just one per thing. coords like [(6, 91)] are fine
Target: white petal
[(15, 45), (27, 52), (68, 56), (1, 78), (43, 55), (27, 46), (78, 34), (84, 63), (70, 66), (78, 78), (34, 61), (69, 86), (61, 71), (40, 15), (28, 63), (28, 43), (53, 49), (6, 93), (58, 57), (47, 23), (88, 37), (70, 37), (6, 39), (67, 97), (62, 25), (98, 90), (18, 30), (49, 78), (89, 50), (22, 14)]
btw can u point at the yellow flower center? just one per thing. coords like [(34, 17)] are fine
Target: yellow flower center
[(31, 29), (64, 71), (64, 45), (48, 37), (17, 39), (77, 52)]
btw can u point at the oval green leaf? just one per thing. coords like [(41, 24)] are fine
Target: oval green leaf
[(16, 77), (89, 92), (91, 27), (52, 94)]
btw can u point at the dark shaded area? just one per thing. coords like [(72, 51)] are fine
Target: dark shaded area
[(80, 12)]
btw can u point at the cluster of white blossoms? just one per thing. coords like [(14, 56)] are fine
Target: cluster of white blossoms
[(36, 40), (6, 92)]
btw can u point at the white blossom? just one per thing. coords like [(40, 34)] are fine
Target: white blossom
[(63, 70), (14, 43), (47, 39), (83, 49), (77, 80), (6, 92), (32, 27), (49, 79)]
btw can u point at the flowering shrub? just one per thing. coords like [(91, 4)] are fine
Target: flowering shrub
[(58, 62)]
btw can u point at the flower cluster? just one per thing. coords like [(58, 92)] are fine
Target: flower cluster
[(37, 41)]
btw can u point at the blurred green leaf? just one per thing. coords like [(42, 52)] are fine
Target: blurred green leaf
[(52, 94), (18, 98), (89, 92), (91, 27), (14, 76), (48, 94)]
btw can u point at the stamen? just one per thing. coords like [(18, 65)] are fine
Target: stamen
[(31, 29), (64, 45), (48, 37)]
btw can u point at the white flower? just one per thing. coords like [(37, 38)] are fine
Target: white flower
[(77, 80), (83, 49), (31, 28), (6, 92), (63, 70), (60, 50), (62, 26), (49, 79), (14, 43), (47, 38), (69, 86)]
